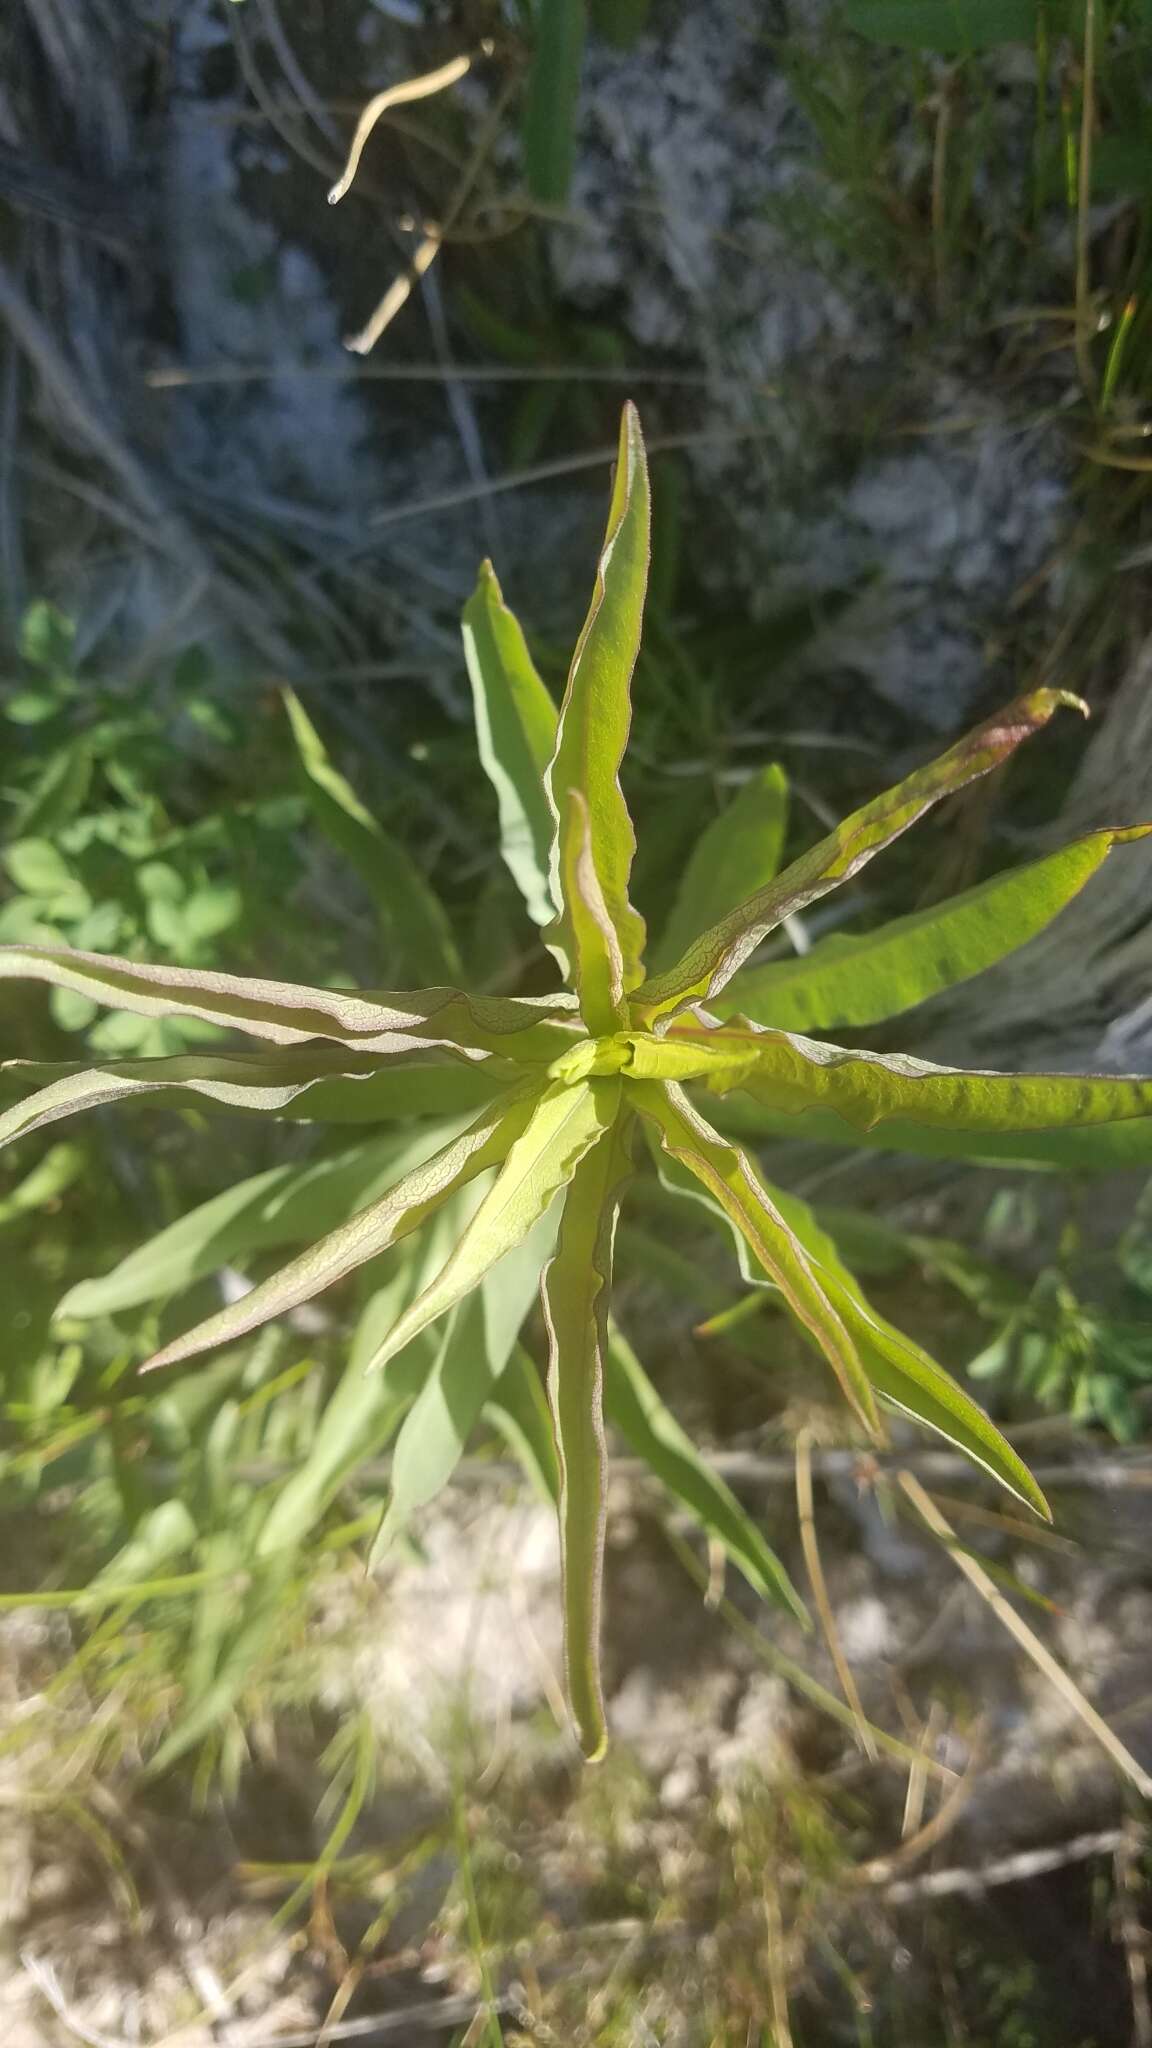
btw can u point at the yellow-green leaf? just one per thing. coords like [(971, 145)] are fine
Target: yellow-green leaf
[(861, 980), (596, 962), (577, 1285), (707, 965), (516, 724), (596, 712), (1103, 1148), (730, 1180), (564, 1124)]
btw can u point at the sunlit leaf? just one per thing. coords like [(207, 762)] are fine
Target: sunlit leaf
[(862, 980), (577, 1285), (564, 1123), (365, 1235), (1102, 1149), (740, 851), (415, 922), (516, 724), (596, 712), (287, 1013), (596, 962), (635, 1408), (714, 958), (730, 1180)]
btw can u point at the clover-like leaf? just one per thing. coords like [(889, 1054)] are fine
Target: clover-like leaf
[(730, 1180), (596, 713), (414, 920), (516, 724), (577, 1284), (862, 980), (711, 961)]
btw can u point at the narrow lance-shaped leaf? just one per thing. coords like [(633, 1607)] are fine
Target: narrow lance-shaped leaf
[(565, 1124), (635, 1408), (414, 920), (711, 961), (473, 1352), (788, 1072), (740, 851), (730, 1179), (288, 1013), (596, 962), (516, 724), (309, 1084), (284, 1205), (862, 980), (904, 1374), (596, 712), (403, 1209), (1102, 1148), (577, 1286)]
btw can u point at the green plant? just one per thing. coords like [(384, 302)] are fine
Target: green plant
[(455, 1221)]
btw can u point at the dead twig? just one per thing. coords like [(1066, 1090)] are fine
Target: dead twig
[(1018, 1869), (811, 1548)]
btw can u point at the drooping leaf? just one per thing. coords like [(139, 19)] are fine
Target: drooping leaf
[(633, 1405), (518, 1408), (740, 851), (1104, 1148), (553, 92), (730, 1180), (564, 1124), (415, 922), (863, 980), (285, 1205), (596, 712), (313, 1084), (711, 961), (576, 1291), (472, 1354), (903, 1373), (365, 1235), (287, 1013), (788, 1072), (516, 724)]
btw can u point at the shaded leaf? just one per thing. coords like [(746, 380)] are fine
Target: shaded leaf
[(288, 1013), (740, 851), (518, 1408), (516, 724), (596, 712), (862, 980), (731, 1181), (576, 1293), (714, 958), (563, 1124), (553, 92), (414, 920), (365, 1235), (954, 27), (635, 1408)]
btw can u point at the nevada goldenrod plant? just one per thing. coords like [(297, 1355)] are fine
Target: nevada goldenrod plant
[(541, 1101)]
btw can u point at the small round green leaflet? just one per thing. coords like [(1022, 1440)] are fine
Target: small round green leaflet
[(534, 1106)]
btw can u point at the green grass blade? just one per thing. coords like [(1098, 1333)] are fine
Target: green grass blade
[(714, 958), (577, 1287), (470, 1359), (653, 1433), (740, 851), (564, 1123), (732, 1184), (289, 1013), (596, 712), (903, 1373), (415, 923), (553, 92), (408, 1204), (864, 980), (516, 724)]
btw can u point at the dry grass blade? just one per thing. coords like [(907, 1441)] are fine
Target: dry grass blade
[(808, 1543), (912, 1821), (1084, 321), (883, 1869), (971, 1881), (1133, 1939), (1030, 1643), (420, 88)]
